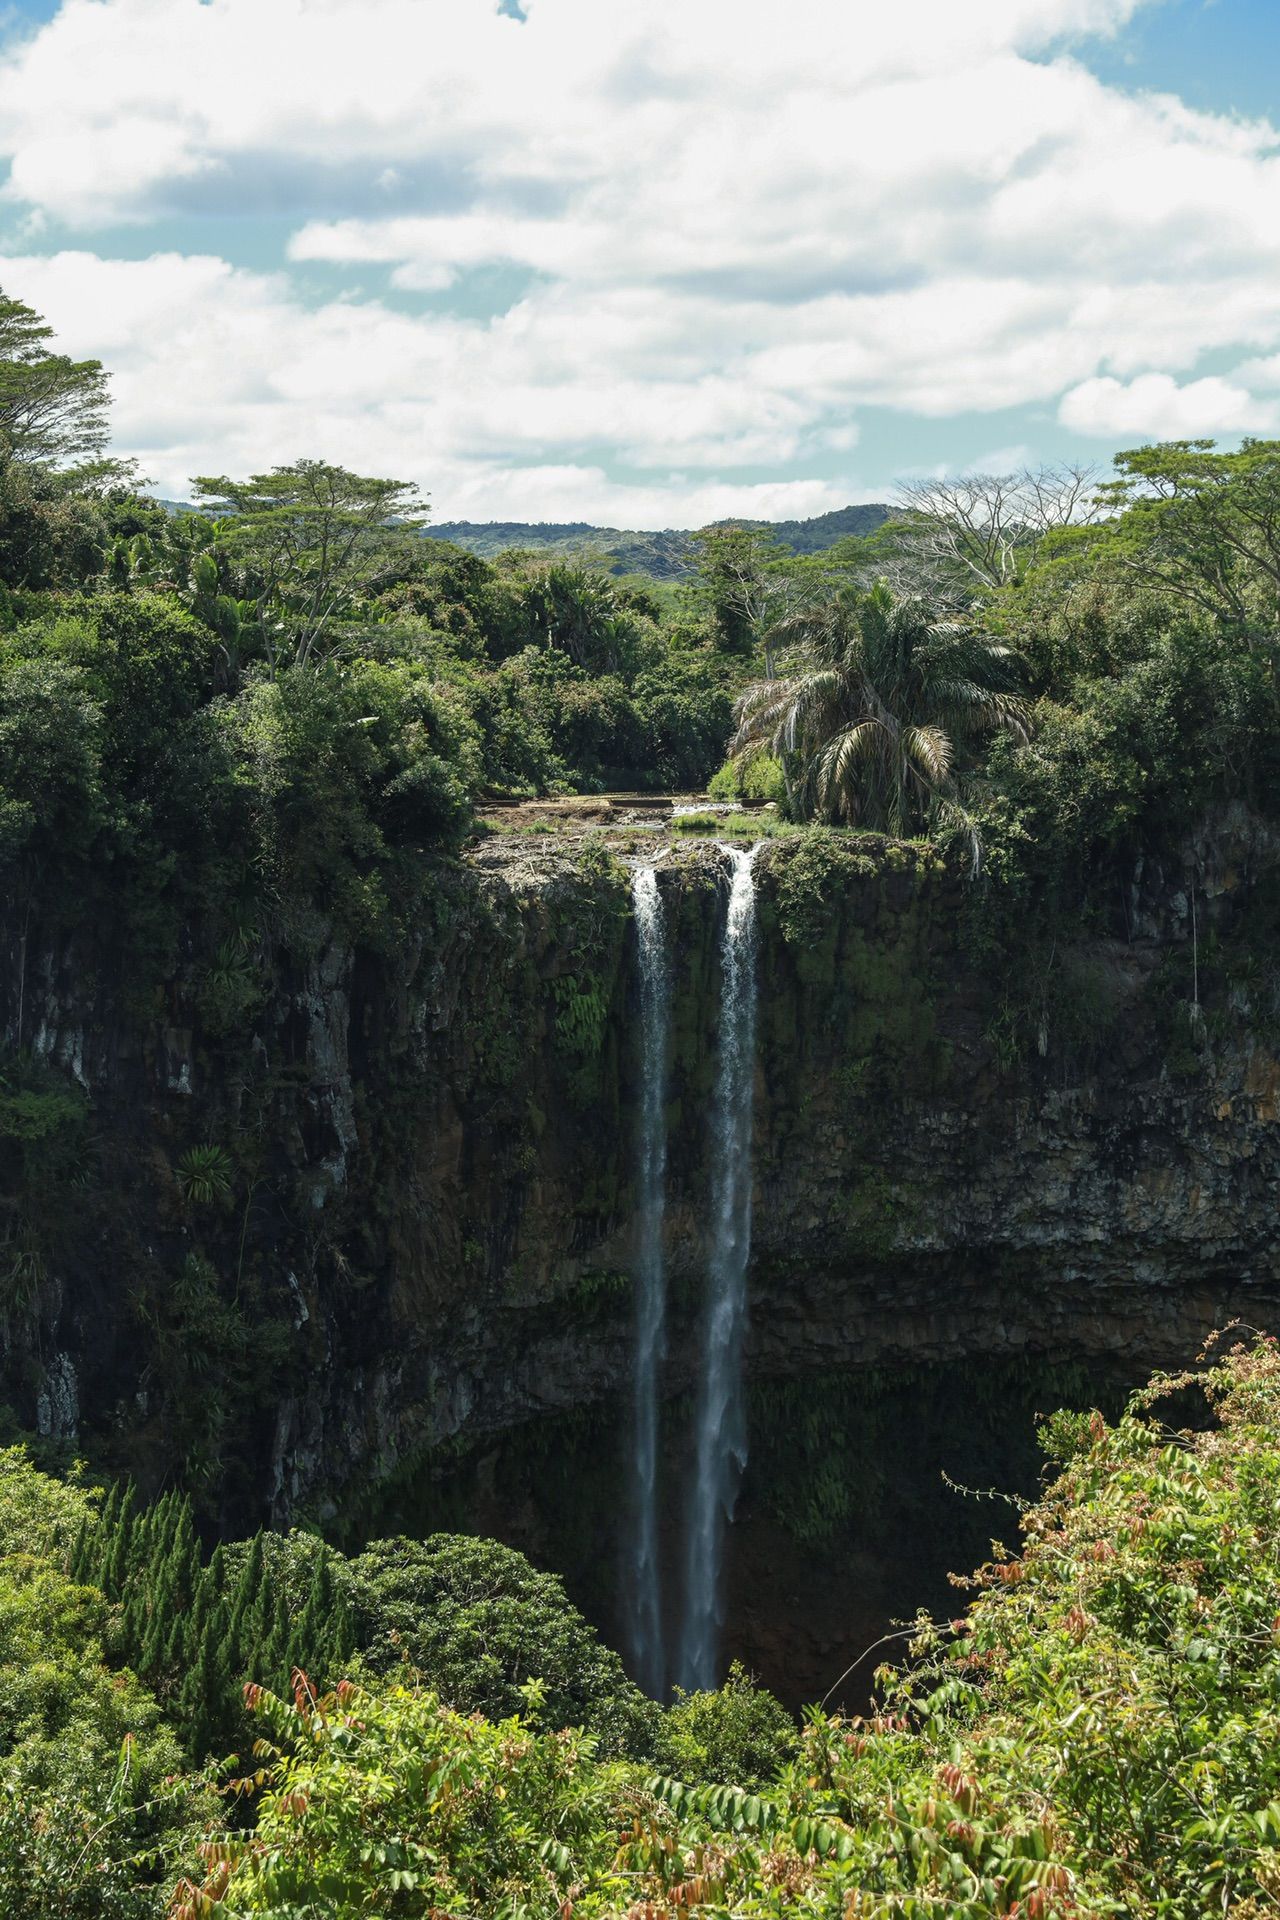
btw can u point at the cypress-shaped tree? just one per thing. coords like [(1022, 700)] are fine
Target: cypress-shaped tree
[(214, 1696), (166, 1530), (229, 1656), (260, 1614), (165, 1598), (277, 1646), (78, 1561), (190, 1714), (201, 1598), (248, 1585), (311, 1633), (342, 1642), (105, 1544), (116, 1569), (143, 1534), (127, 1628), (187, 1561), (175, 1649), (150, 1653), (110, 1511), (148, 1546)]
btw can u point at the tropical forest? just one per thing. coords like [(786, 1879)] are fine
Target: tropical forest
[(638, 1193)]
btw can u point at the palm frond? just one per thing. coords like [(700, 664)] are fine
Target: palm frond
[(762, 711), (930, 750), (958, 820), (970, 704)]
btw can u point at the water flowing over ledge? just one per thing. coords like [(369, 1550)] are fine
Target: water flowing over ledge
[(642, 1599), (720, 1420)]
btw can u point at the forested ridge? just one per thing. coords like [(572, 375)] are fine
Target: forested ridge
[(666, 555), (285, 706)]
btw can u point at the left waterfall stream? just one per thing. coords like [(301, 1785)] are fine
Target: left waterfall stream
[(642, 1598)]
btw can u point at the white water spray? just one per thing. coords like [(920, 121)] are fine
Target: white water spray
[(643, 1603), (720, 1421)]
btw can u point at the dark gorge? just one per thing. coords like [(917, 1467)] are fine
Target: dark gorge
[(342, 1232)]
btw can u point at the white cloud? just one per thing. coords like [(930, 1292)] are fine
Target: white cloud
[(217, 369), (168, 89), (730, 227), (1155, 406)]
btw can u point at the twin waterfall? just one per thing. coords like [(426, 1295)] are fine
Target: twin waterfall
[(720, 1439)]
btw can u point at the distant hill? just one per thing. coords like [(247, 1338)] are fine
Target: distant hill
[(664, 555), (816, 535)]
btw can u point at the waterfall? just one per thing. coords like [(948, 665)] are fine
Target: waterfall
[(643, 1605), (720, 1419)]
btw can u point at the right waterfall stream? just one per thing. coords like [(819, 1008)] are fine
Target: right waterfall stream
[(720, 1432)]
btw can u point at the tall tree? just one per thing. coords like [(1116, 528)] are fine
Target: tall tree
[(53, 410), (747, 579), (310, 540), (1204, 525), (53, 428)]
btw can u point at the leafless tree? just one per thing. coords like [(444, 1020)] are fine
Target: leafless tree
[(980, 532)]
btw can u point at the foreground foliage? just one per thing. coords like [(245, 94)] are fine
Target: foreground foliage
[(95, 1809), (470, 1618), (1096, 1736)]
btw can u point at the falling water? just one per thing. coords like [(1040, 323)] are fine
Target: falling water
[(720, 1425), (642, 1589)]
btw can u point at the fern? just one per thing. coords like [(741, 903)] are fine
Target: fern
[(204, 1174)]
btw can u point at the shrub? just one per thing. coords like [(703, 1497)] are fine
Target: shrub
[(759, 778), (812, 873), (477, 1622), (383, 1800), (204, 1174), (737, 1735)]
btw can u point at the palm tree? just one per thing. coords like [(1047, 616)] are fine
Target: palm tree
[(883, 699), (583, 614)]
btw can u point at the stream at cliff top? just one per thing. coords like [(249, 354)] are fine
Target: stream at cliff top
[(642, 1586), (720, 1417)]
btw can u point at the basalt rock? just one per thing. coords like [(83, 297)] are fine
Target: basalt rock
[(418, 1233)]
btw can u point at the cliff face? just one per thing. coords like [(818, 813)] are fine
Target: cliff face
[(412, 1230)]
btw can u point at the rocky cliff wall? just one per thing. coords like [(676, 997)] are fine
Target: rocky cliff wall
[(413, 1233)]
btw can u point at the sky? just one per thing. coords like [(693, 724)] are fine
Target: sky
[(654, 264)]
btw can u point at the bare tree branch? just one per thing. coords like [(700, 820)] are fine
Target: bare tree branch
[(980, 532)]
